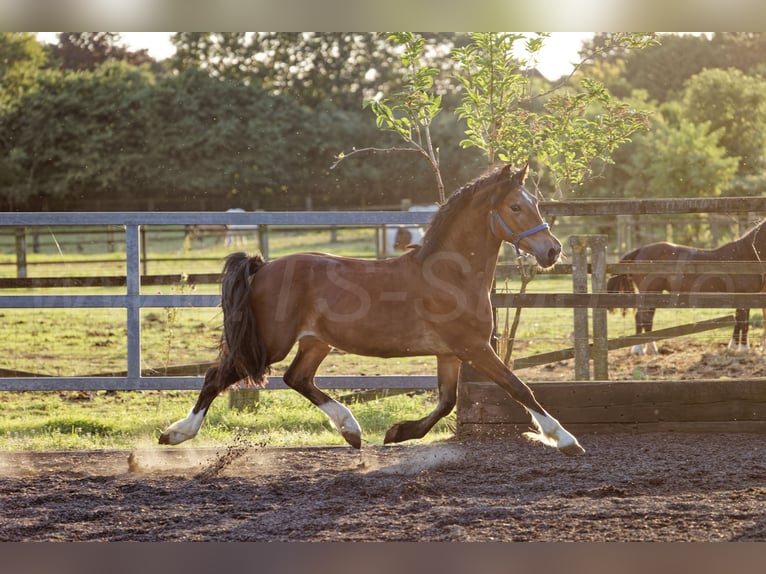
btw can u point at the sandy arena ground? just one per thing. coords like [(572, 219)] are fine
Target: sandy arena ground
[(649, 487)]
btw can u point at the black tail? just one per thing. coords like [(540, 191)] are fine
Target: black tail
[(242, 351), (620, 284)]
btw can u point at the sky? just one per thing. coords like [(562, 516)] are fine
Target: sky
[(556, 58)]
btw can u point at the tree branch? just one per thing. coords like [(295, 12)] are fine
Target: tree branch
[(341, 156)]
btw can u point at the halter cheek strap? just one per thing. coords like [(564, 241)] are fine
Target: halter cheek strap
[(513, 238)]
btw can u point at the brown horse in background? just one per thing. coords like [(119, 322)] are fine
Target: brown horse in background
[(750, 247), (433, 300)]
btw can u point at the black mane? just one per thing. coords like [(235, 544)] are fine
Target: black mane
[(441, 224)]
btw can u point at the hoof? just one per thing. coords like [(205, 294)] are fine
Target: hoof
[(184, 429), (403, 431), (354, 439), (393, 435), (390, 437), (573, 449), (174, 436)]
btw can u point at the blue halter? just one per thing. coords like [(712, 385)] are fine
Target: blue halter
[(514, 238)]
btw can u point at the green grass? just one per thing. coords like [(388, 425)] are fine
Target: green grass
[(109, 420)]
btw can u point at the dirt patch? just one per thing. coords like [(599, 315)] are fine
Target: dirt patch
[(659, 487), (681, 359)]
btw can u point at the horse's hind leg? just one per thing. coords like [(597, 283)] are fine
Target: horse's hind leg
[(215, 383), (741, 327), (644, 324), (300, 376), (448, 372)]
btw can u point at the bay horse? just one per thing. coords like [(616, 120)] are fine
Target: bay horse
[(750, 247), (432, 300)]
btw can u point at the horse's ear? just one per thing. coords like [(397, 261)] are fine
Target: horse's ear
[(520, 176)]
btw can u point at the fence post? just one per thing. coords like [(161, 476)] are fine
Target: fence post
[(598, 285), (244, 399), (133, 283), (21, 253), (582, 349), (263, 241), (381, 249), (580, 285)]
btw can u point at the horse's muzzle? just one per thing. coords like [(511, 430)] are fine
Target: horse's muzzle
[(549, 254)]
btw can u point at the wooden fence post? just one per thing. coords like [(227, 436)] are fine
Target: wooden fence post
[(580, 285), (244, 399), (598, 285), (582, 349)]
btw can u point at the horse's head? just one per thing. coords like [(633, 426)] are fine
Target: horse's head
[(515, 218)]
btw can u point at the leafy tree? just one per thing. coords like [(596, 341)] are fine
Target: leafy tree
[(660, 68), (734, 104), (410, 111), (682, 160), (87, 50), (310, 67), (77, 134), (186, 138), (742, 50), (566, 129), (21, 58), (225, 139)]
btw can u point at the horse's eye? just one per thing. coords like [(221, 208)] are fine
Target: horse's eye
[(515, 208)]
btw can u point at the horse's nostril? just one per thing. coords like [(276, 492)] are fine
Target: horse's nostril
[(553, 254)]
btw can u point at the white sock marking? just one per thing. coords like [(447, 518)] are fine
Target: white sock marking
[(551, 431), (186, 428), (341, 418)]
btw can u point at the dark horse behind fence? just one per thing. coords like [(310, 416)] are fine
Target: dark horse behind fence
[(433, 300), (751, 247)]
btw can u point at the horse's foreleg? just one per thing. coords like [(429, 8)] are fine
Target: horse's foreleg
[(549, 430), (448, 372), (300, 376), (186, 428)]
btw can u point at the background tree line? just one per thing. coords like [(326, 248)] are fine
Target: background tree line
[(257, 121)]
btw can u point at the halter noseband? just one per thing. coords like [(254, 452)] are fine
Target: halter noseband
[(514, 238)]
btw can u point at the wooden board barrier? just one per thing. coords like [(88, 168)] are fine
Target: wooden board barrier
[(484, 409)]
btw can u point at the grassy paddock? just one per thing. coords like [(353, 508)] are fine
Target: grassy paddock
[(72, 420), (69, 342)]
